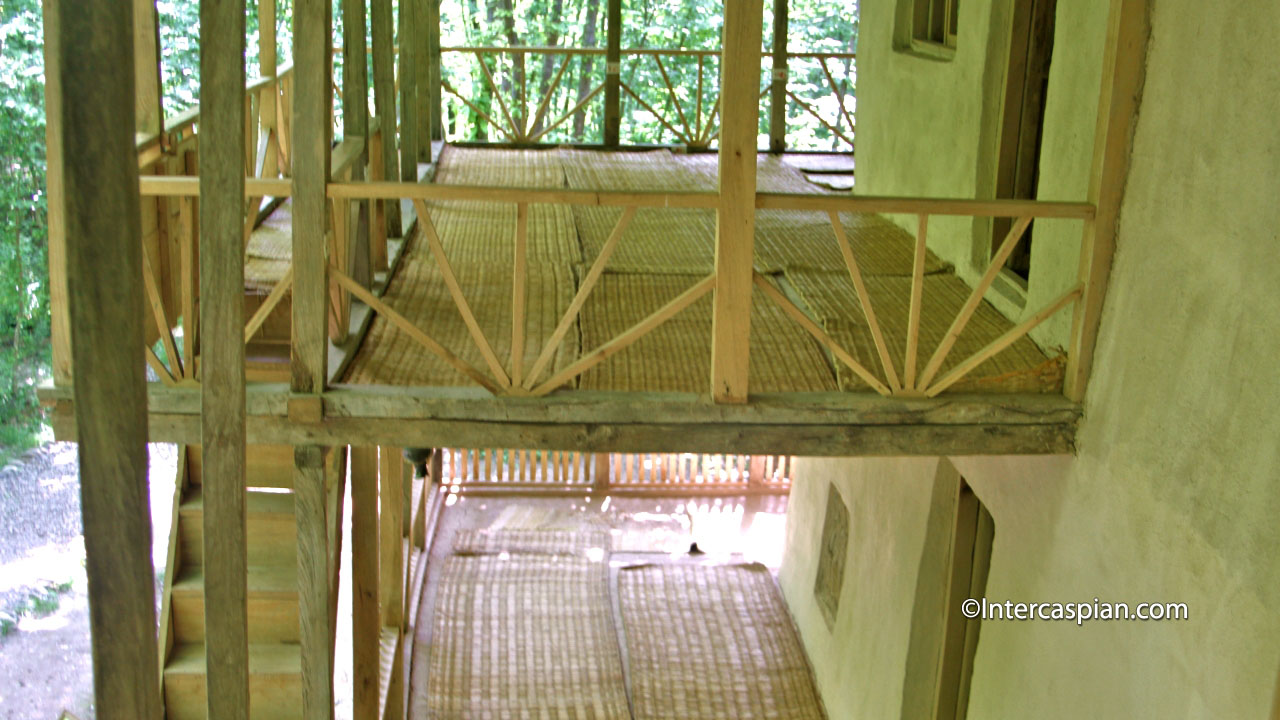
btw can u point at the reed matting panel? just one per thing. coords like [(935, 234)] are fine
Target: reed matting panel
[(676, 356), (578, 542), (389, 356), (832, 302), (525, 635), (270, 250), (713, 642)]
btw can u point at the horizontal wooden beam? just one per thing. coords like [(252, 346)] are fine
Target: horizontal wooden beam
[(829, 424), (189, 186)]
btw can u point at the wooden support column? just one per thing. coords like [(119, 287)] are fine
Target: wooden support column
[(355, 120), (316, 628), (222, 388), (93, 50), (267, 61), (148, 106), (435, 98), (408, 78), (59, 321), (427, 13), (391, 529), (365, 622), (735, 218), (312, 132), (613, 73), (1123, 67), (384, 98), (778, 88)]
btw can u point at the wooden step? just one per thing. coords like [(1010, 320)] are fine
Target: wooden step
[(272, 530), (269, 466), (273, 604), (275, 682)]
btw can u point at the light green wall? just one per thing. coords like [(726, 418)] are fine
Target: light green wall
[(929, 128), (1174, 493)]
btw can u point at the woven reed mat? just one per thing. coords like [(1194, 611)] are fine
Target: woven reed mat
[(772, 173), (837, 162), (532, 541), (676, 356), (832, 181), (525, 636), (713, 642), (388, 356), (658, 240), (507, 168), (831, 300), (270, 249)]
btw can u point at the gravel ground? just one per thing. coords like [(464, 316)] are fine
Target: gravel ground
[(46, 663)]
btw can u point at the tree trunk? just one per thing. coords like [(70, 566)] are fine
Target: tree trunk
[(584, 75), (553, 40)]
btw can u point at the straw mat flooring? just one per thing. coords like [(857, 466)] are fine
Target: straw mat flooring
[(525, 635), (712, 642)]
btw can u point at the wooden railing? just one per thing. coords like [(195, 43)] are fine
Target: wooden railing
[(495, 94), (170, 205), (497, 469)]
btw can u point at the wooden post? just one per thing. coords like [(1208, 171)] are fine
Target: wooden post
[(435, 98), (426, 13), (735, 219), (355, 120), (148, 106), (312, 130), (778, 88), (94, 56), (267, 64), (613, 74), (316, 631), (384, 99), (1123, 66), (364, 581), (222, 388), (408, 78), (391, 533), (59, 321)]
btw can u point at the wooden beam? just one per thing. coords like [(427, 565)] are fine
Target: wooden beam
[(364, 581), (778, 86), (613, 73), (408, 81), (94, 57), (312, 130), (426, 13), (59, 321), (1123, 71), (384, 99), (316, 631), (148, 103), (433, 37), (223, 432), (391, 535), (735, 217), (355, 76)]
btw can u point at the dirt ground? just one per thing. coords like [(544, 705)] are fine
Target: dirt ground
[(45, 664)]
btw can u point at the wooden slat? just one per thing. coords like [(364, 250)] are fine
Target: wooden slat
[(735, 218), (148, 104), (573, 110), (551, 91), (629, 336), (580, 298), (311, 145), (405, 325), (273, 299), (975, 298), (391, 536), (407, 79), (223, 422), (675, 100), (913, 312), (1005, 340), (314, 590), (1123, 68), (821, 335), (778, 85), (455, 290), (864, 299), (104, 262), (513, 130), (365, 623), (187, 279)]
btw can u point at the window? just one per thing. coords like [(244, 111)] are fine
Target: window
[(927, 28), (935, 22)]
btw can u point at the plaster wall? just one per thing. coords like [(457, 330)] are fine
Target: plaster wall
[(1173, 493)]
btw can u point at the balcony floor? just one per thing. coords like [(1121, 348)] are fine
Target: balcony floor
[(663, 252)]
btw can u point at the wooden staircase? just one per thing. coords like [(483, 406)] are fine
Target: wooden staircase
[(275, 668)]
